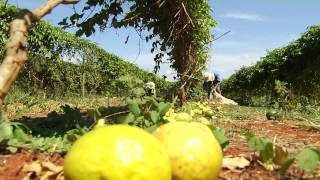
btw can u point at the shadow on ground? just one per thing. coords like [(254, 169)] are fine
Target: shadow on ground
[(58, 123)]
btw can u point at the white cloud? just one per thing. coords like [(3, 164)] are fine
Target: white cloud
[(227, 64), (244, 16)]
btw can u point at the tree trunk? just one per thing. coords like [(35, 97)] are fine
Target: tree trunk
[(16, 47), (182, 96), (83, 81)]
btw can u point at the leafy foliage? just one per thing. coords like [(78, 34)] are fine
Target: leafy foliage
[(306, 159), (273, 156), (147, 113), (180, 29), (61, 62), (56, 133), (12, 134), (220, 135), (288, 74)]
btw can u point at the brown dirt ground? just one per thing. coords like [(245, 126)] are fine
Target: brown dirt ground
[(285, 134)]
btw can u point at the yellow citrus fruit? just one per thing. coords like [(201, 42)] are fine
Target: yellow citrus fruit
[(182, 116), (193, 150), (117, 152)]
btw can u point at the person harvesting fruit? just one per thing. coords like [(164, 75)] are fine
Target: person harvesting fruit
[(217, 81), (150, 89), (208, 83)]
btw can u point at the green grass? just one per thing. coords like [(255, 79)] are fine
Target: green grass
[(233, 112)]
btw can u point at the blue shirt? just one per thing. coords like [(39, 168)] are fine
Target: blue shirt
[(217, 77)]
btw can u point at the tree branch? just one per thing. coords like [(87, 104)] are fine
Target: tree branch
[(16, 47), (185, 10)]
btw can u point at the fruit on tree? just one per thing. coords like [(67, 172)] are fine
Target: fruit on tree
[(117, 152), (193, 150)]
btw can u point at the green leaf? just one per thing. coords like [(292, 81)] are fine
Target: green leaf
[(140, 119), (151, 99), (285, 166), (128, 119), (151, 129), (256, 142), (307, 159), (134, 107), (163, 108), (220, 136), (154, 116), (266, 154), (20, 135), (5, 130)]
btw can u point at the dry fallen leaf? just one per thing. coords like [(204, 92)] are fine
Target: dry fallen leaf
[(233, 163), (43, 171), (34, 167), (52, 167)]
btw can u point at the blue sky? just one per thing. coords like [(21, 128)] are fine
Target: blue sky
[(256, 26)]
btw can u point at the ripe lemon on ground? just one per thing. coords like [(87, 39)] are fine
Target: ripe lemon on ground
[(194, 152), (117, 152)]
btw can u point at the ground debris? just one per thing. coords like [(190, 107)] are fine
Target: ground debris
[(43, 171)]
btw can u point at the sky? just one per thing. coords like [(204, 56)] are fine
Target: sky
[(256, 27)]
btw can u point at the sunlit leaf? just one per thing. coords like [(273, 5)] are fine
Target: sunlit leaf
[(307, 159), (134, 107), (5, 130), (154, 116)]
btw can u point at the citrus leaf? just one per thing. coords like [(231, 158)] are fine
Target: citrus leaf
[(221, 137), (5, 130), (307, 159), (266, 155), (163, 108), (20, 135), (285, 166), (134, 107), (128, 119), (151, 129), (256, 142), (154, 116)]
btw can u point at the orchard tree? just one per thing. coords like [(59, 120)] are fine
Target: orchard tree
[(179, 29)]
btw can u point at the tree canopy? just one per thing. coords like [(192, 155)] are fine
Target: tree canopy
[(177, 28)]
